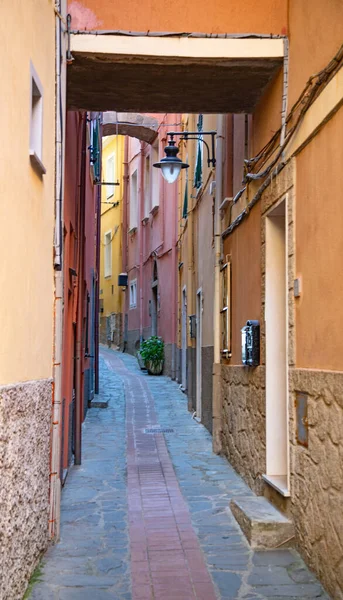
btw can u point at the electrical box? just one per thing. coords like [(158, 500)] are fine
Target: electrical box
[(123, 280), (251, 344)]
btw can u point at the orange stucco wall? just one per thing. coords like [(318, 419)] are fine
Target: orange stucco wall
[(316, 33), (319, 249), (244, 246), (265, 16)]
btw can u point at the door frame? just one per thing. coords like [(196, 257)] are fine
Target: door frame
[(199, 311), (184, 338)]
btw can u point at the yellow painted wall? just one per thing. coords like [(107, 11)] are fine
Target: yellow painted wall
[(111, 220), (27, 32)]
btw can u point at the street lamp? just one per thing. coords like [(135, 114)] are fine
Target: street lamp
[(171, 165)]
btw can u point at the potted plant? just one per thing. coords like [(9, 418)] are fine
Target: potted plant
[(152, 352)]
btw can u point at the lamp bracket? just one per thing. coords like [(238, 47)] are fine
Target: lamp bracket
[(198, 135)]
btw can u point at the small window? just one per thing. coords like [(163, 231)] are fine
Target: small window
[(133, 293), (156, 177), (110, 176), (225, 310), (147, 191), (36, 122), (108, 254), (133, 201)]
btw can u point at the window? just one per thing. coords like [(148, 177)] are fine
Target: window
[(133, 201), (108, 253), (156, 177), (225, 310), (133, 293), (110, 176), (147, 192), (36, 122)]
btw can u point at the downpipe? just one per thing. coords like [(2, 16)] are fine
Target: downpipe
[(55, 461), (217, 408)]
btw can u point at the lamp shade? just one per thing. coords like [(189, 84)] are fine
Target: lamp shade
[(171, 165)]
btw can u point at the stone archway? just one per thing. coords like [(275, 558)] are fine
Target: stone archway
[(142, 127)]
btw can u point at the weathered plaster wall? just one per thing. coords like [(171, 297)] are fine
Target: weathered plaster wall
[(317, 475), (319, 249), (234, 17), (25, 413), (27, 205)]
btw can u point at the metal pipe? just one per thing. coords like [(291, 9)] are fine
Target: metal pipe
[(79, 322), (125, 235), (141, 216), (217, 425), (97, 286), (55, 461)]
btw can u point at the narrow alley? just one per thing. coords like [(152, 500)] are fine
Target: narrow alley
[(146, 515)]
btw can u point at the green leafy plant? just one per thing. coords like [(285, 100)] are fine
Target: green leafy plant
[(152, 350)]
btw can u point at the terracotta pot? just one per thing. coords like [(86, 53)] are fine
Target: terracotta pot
[(154, 368)]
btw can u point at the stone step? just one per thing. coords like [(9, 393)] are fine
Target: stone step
[(97, 403), (262, 524)]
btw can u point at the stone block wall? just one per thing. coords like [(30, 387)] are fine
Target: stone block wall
[(317, 475), (25, 417), (243, 422), (207, 358)]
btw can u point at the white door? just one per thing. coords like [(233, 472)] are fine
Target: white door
[(184, 340), (198, 353)]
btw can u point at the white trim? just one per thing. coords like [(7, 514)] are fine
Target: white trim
[(109, 177), (36, 120), (277, 331), (279, 484), (108, 254), (133, 301), (206, 48)]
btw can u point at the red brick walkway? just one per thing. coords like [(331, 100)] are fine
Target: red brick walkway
[(166, 559)]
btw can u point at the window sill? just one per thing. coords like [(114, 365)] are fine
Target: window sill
[(145, 220), (154, 210), (279, 483), (132, 306), (37, 163), (132, 231)]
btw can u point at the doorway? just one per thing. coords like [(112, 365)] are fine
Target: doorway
[(154, 301), (184, 340), (276, 321), (199, 301)]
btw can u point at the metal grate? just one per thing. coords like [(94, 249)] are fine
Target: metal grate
[(153, 430)]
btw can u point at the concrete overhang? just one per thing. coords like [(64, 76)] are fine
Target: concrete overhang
[(174, 75), (142, 127)]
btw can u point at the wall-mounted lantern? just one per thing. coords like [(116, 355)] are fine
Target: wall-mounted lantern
[(251, 344), (123, 281), (171, 165)]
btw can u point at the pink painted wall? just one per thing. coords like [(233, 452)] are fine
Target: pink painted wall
[(155, 238)]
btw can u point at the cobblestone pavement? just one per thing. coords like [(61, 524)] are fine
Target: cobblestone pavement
[(150, 519)]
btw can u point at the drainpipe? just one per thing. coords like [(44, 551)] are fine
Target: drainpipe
[(55, 462), (217, 409), (174, 280), (124, 234), (140, 230), (97, 287), (80, 297)]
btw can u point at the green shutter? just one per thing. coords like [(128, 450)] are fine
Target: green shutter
[(185, 199), (198, 161)]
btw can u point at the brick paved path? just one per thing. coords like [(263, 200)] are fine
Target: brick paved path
[(172, 534)]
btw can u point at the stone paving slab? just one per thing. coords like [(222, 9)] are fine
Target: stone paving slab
[(93, 561)]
